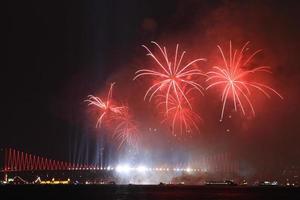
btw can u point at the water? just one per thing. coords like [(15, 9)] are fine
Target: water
[(132, 192)]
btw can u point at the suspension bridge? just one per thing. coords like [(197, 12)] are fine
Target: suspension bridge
[(17, 163)]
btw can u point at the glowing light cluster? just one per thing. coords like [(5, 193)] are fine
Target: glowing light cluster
[(126, 169)]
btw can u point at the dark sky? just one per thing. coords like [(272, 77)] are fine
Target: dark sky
[(61, 51)]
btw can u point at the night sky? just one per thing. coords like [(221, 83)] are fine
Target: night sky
[(61, 51)]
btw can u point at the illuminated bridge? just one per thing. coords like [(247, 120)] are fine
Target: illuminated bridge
[(16, 161), (19, 163)]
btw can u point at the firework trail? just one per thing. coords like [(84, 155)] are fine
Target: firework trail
[(232, 77), (105, 106), (180, 116), (171, 77)]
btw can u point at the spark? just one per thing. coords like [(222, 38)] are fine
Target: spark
[(171, 77), (105, 106), (232, 77)]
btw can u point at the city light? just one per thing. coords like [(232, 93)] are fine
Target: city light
[(141, 169), (123, 168)]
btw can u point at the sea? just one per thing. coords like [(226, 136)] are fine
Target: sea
[(145, 192)]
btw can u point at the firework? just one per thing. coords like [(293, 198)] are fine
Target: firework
[(232, 77), (105, 106), (180, 116), (171, 77), (120, 121), (126, 130)]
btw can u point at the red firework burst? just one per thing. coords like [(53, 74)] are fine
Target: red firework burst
[(126, 129), (232, 77), (171, 76), (181, 118), (105, 106), (120, 121)]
